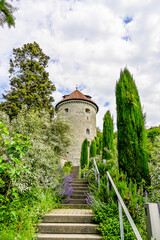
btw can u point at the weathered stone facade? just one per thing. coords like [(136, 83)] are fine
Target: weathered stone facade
[(82, 115)]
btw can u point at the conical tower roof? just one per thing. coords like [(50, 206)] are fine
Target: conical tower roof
[(77, 95)]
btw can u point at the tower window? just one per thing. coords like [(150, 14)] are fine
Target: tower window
[(66, 110), (87, 131), (87, 110)]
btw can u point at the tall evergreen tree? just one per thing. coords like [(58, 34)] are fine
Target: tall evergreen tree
[(98, 139), (93, 148), (107, 143), (132, 157), (29, 81), (84, 154)]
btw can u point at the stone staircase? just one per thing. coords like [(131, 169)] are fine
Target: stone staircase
[(80, 187), (74, 220)]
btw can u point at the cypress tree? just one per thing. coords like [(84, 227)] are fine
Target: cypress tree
[(93, 148), (132, 157), (84, 154), (98, 139), (107, 142)]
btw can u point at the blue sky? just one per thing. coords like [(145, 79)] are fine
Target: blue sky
[(89, 42)]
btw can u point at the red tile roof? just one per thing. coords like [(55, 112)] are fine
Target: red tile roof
[(77, 95)]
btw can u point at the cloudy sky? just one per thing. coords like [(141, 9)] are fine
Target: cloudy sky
[(89, 42)]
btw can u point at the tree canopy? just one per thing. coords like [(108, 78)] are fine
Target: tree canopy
[(6, 14), (29, 81)]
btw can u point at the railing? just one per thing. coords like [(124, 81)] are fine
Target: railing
[(96, 173), (120, 206)]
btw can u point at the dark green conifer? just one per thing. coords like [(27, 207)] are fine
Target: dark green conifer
[(84, 154), (98, 139), (29, 81), (93, 148), (107, 143), (132, 156)]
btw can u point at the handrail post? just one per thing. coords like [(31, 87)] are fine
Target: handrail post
[(107, 184), (121, 220), (98, 180), (96, 173)]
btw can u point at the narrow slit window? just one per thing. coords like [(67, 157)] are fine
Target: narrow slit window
[(66, 110), (87, 131)]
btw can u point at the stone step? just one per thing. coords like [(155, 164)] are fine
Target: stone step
[(79, 184), (75, 201), (74, 206), (80, 179), (81, 192), (68, 236), (78, 196), (68, 228), (70, 218), (80, 188)]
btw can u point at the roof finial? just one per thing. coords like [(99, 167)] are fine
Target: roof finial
[(76, 86)]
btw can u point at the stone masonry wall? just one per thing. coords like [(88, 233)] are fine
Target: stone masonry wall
[(82, 115)]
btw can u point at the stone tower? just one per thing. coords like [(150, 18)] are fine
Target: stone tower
[(81, 111)]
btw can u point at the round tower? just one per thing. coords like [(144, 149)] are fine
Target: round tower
[(81, 111)]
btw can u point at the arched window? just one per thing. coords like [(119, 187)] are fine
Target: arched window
[(87, 110), (87, 131), (66, 110)]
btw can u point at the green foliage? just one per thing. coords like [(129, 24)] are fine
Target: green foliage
[(108, 218), (11, 165), (132, 157), (107, 144), (154, 160), (29, 81), (21, 216), (152, 133), (6, 14), (98, 139), (84, 154), (29, 182), (93, 148), (49, 141), (67, 167)]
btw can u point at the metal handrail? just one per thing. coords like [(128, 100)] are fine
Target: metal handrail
[(121, 205), (96, 173)]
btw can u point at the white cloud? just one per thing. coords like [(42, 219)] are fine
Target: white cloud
[(85, 38)]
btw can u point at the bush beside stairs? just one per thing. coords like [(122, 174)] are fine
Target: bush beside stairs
[(74, 220)]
